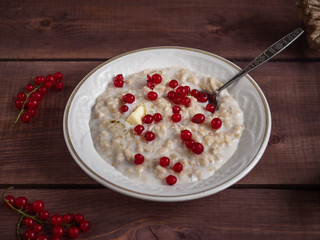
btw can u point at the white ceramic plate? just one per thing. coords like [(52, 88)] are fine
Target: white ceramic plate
[(250, 97)]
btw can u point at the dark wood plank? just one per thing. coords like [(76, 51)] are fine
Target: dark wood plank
[(103, 29), (36, 153), (231, 214)]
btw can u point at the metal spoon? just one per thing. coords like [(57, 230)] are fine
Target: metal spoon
[(269, 53)]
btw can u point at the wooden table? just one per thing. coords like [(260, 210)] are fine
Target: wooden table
[(278, 199)]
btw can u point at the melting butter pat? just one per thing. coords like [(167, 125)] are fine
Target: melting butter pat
[(136, 116)]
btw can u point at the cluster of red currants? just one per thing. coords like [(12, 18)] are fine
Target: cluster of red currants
[(28, 102), (38, 222)]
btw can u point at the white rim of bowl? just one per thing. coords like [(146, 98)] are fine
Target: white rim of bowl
[(154, 197)]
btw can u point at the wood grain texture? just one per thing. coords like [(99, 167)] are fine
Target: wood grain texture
[(103, 29), (36, 153), (238, 214)]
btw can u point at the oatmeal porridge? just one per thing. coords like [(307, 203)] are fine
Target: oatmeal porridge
[(157, 126)]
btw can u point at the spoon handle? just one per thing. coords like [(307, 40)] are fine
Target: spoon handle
[(269, 53)]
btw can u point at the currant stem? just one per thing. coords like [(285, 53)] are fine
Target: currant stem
[(18, 226), (25, 101), (19, 210)]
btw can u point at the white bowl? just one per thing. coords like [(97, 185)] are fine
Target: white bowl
[(257, 120)]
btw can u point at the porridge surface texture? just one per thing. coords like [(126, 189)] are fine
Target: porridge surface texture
[(117, 142)]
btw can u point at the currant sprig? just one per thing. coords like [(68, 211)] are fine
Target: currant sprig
[(31, 215), (28, 102)]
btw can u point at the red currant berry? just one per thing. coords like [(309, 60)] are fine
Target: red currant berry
[(21, 202), (22, 96), (50, 78), (67, 218), (11, 200), (42, 237), (25, 118), (30, 235), (197, 148), (85, 226), (55, 238), (150, 84), (176, 117), (32, 104), (37, 96), (74, 232), (42, 90), (176, 109), (28, 208), (187, 89), (58, 231), (216, 123), (44, 214), (194, 93), (185, 101), (152, 95), (48, 84), (38, 206), (173, 83), (178, 167), (198, 118), (118, 81), (31, 112), (59, 86), (177, 100), (138, 159), (124, 108), (181, 91), (164, 161), (128, 98), (118, 77), (29, 87), (56, 220), (37, 228), (171, 180), (147, 119), (58, 76), (149, 136), (157, 117), (210, 107), (19, 103), (171, 95), (189, 143), (28, 222), (138, 129), (39, 80), (202, 97), (185, 135), (156, 78), (78, 218)]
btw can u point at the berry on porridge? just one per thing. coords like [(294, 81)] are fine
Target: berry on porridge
[(158, 127)]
